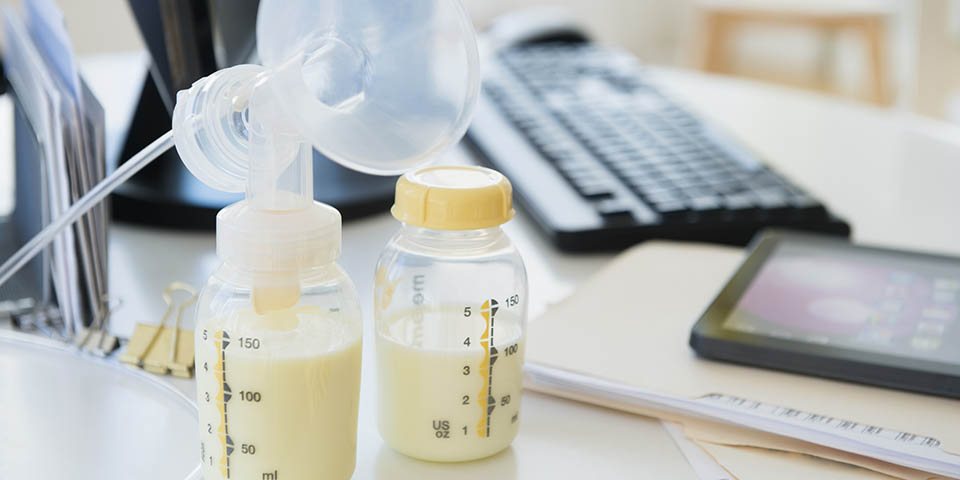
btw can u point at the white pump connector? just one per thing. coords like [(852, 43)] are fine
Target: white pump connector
[(379, 86), (231, 136)]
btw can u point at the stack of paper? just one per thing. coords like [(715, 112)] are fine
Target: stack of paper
[(67, 124), (621, 341)]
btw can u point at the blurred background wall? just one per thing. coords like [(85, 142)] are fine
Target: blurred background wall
[(901, 54)]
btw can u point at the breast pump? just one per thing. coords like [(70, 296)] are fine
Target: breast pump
[(379, 86)]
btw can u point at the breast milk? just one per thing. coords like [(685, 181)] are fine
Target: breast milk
[(447, 404), (278, 396)]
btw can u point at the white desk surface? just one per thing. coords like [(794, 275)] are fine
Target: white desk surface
[(892, 175)]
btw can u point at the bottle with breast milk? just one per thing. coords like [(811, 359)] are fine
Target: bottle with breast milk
[(450, 308), (278, 349), (278, 335)]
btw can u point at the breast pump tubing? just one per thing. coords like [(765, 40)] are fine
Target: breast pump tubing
[(84, 204)]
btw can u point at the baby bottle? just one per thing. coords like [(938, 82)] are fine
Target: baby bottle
[(450, 308), (278, 351), (278, 336), (278, 348)]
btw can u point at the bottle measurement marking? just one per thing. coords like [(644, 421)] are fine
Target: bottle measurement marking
[(225, 467), (221, 341), (488, 311)]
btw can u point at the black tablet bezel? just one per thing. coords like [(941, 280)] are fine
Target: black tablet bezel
[(710, 339)]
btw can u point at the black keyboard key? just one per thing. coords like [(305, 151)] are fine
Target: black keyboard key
[(807, 204), (690, 182), (665, 197), (646, 188), (739, 202), (803, 201), (672, 210), (725, 187), (633, 170), (595, 190), (706, 204), (768, 179), (587, 186), (771, 198), (619, 208), (613, 206), (577, 166), (661, 188)]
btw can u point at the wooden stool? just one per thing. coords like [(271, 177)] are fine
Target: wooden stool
[(722, 19)]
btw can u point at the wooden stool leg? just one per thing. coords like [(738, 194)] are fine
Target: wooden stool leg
[(827, 57), (876, 40), (715, 49)]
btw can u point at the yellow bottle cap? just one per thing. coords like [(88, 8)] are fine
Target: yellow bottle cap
[(453, 198)]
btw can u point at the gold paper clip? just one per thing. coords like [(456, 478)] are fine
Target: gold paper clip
[(164, 349)]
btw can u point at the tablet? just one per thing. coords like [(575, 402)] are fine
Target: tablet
[(822, 306)]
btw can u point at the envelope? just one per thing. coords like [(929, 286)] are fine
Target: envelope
[(750, 463), (706, 434)]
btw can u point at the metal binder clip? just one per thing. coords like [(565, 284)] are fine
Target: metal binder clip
[(164, 349), (25, 315), (97, 339)]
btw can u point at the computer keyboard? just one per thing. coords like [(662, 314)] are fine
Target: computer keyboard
[(602, 159)]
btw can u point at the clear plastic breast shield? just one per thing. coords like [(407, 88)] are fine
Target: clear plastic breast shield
[(379, 86)]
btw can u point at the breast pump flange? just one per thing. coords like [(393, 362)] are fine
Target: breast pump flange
[(365, 82)]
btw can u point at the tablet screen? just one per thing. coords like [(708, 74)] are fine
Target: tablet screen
[(857, 299)]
